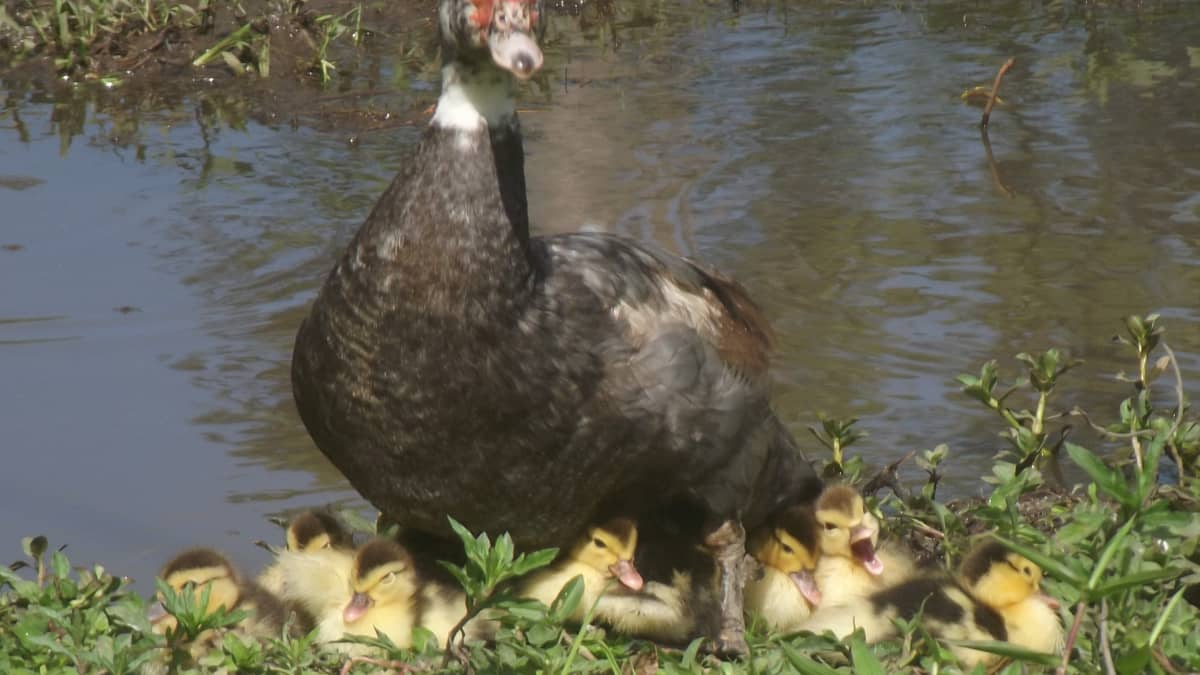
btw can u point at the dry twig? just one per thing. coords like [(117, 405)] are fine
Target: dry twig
[(887, 478), (987, 111)]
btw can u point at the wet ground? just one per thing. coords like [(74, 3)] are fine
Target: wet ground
[(161, 240)]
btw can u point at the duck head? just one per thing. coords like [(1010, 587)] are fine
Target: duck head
[(609, 548), (501, 32), (197, 569), (316, 530), (383, 578), (789, 545), (847, 529), (1001, 578)]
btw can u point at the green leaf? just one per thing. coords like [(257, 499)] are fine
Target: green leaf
[(1048, 564), (803, 664), (34, 547), (527, 562), (1135, 579), (1009, 650), (865, 662), (1133, 662), (1108, 480), (1166, 614), (60, 565), (1107, 554), (567, 600)]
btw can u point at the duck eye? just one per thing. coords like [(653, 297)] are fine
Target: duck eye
[(788, 549), (599, 543), (389, 578), (830, 526), (1028, 571)]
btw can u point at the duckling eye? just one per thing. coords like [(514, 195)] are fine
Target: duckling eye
[(787, 549), (599, 543), (830, 526), (388, 578), (1028, 571)]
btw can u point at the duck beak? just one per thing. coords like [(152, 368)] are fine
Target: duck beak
[(511, 37), (628, 575), (359, 604), (862, 545), (807, 584)]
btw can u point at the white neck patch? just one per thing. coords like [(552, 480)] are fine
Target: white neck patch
[(475, 100)]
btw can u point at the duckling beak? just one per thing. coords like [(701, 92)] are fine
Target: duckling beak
[(1050, 601), (511, 39), (628, 575), (863, 548), (358, 606), (807, 584), (155, 613)]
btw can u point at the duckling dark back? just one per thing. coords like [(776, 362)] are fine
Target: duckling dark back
[(379, 552), (195, 559), (981, 558), (311, 524), (800, 522)]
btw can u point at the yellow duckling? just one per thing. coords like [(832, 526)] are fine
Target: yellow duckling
[(382, 595), (678, 599), (605, 553), (205, 568), (996, 598), (298, 572), (851, 567), (785, 590), (1011, 584)]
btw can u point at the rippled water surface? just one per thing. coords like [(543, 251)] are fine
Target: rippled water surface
[(157, 257)]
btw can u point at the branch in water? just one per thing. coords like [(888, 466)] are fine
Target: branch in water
[(987, 111)]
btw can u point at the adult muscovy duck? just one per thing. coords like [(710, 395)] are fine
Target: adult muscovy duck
[(453, 364)]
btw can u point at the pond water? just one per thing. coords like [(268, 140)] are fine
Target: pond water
[(160, 248)]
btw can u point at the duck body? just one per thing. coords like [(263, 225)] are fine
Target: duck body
[(454, 365), (995, 597)]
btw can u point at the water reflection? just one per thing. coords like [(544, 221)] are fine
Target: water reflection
[(816, 150)]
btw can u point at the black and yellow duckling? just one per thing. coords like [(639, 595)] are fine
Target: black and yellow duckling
[(204, 568), (603, 554), (852, 566), (996, 597), (784, 591), (315, 539), (382, 593), (678, 600), (1011, 584)]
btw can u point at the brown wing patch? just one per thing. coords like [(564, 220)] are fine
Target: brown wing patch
[(744, 334)]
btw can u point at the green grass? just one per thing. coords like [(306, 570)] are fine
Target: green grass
[(84, 38), (1118, 554)]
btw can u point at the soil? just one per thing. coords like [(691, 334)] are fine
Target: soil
[(155, 66)]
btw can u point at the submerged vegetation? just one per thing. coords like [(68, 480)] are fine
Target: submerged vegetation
[(1120, 553)]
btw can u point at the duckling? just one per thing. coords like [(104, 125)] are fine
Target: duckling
[(605, 552), (851, 567), (203, 567), (1011, 584), (296, 572), (995, 598), (678, 601), (785, 590), (382, 594)]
